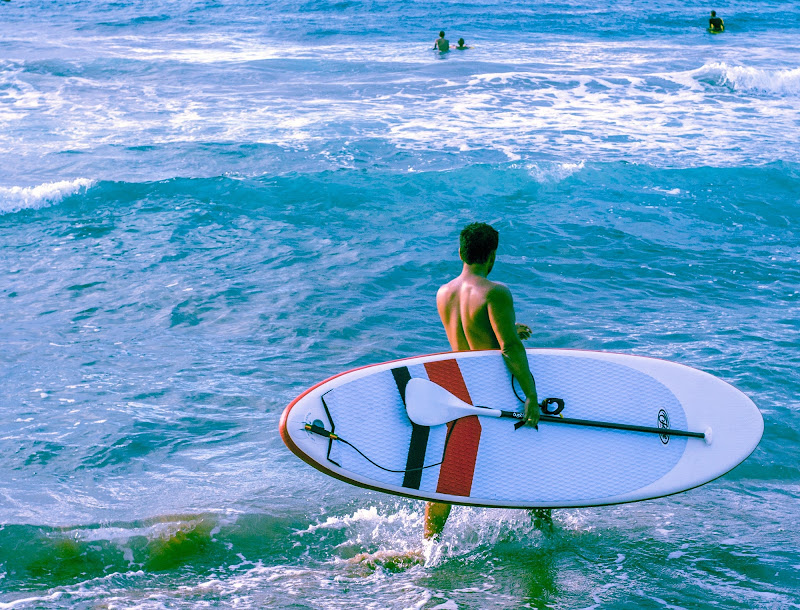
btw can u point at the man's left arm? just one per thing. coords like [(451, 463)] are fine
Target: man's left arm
[(503, 320)]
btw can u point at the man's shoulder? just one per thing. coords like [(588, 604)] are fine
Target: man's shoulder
[(495, 291), (445, 290)]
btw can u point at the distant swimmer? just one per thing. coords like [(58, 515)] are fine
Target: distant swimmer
[(715, 24), (441, 43), (461, 44)]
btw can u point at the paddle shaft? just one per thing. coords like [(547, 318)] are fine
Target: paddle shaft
[(429, 404), (604, 424)]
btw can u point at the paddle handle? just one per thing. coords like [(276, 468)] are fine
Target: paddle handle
[(489, 412)]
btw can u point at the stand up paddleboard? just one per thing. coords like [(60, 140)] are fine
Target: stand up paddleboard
[(444, 427)]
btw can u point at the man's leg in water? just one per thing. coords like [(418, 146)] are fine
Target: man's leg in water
[(436, 514)]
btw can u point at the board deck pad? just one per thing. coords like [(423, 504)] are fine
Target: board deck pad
[(485, 461)]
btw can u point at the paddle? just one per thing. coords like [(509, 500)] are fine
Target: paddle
[(429, 404)]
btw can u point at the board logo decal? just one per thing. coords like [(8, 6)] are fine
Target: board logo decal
[(663, 422), (464, 435)]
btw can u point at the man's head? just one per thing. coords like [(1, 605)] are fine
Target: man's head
[(478, 243), (441, 34), (460, 42), (713, 13)]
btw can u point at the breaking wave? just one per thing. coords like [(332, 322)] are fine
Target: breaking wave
[(785, 82), (16, 198)]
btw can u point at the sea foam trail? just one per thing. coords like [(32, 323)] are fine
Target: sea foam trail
[(16, 198)]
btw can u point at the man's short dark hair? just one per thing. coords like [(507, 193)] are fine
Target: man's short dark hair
[(713, 13), (478, 240), (441, 34)]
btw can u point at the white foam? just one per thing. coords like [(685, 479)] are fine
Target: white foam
[(554, 172), (675, 191), (581, 100), (23, 601), (16, 198)]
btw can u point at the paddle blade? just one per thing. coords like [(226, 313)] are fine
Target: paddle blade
[(429, 404)]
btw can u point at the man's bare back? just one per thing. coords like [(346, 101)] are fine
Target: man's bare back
[(464, 306)]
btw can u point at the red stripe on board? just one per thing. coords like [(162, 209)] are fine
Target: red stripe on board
[(447, 374), (458, 463)]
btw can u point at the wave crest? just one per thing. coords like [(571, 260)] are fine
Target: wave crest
[(784, 82), (552, 173), (16, 198)]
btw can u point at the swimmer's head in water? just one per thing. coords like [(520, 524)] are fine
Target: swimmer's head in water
[(460, 42), (477, 242), (441, 34)]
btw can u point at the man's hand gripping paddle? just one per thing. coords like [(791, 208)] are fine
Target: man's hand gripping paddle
[(429, 404)]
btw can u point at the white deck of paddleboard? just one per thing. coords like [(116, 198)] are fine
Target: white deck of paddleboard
[(556, 466)]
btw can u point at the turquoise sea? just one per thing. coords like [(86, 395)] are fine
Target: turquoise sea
[(207, 206)]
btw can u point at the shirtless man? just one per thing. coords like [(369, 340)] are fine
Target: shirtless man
[(479, 314), (441, 43)]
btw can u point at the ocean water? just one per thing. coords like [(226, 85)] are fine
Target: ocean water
[(208, 206)]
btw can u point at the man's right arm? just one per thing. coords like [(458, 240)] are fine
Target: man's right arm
[(502, 318)]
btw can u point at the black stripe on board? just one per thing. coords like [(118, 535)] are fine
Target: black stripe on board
[(419, 436)]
